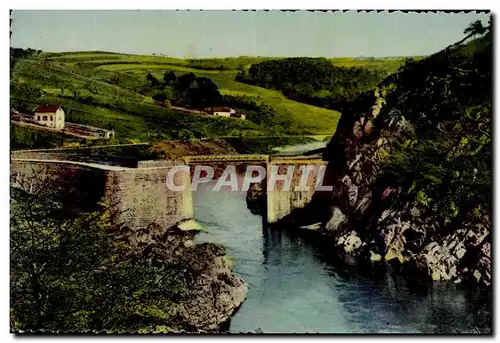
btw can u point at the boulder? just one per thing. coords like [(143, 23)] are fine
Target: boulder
[(216, 294), (461, 255), (336, 221), (350, 243)]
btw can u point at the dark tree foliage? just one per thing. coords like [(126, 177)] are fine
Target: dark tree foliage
[(161, 97), (311, 80), (205, 93), (475, 29), (186, 90), (68, 271), (185, 81), (447, 97), (154, 81), (169, 78), (17, 54)]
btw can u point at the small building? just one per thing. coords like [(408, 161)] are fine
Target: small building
[(238, 116), (49, 115), (222, 111)]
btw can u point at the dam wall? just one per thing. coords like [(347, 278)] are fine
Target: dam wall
[(282, 200), (134, 197), (139, 197)]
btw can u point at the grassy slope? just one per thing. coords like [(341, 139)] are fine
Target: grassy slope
[(133, 69), (391, 65), (135, 118)]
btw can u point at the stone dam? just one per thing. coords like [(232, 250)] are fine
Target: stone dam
[(138, 196)]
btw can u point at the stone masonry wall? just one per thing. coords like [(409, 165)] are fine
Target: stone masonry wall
[(140, 197), (136, 197), (281, 202), (78, 185)]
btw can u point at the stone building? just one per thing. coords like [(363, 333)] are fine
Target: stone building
[(49, 115)]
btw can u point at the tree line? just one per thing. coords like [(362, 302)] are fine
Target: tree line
[(312, 80), (185, 90)]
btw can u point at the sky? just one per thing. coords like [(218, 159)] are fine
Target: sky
[(197, 34)]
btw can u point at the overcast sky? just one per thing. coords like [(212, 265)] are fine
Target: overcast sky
[(237, 33)]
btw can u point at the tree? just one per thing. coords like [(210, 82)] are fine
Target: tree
[(169, 78), (475, 29), (154, 81), (302, 78), (206, 92), (163, 96), (160, 97), (69, 271), (185, 81)]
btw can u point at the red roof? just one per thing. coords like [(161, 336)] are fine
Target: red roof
[(47, 108)]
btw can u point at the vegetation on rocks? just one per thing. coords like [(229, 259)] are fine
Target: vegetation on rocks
[(71, 271), (447, 162), (411, 169)]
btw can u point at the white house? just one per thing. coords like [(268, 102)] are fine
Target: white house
[(49, 115), (222, 111)]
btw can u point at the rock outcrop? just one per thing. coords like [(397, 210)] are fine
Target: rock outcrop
[(256, 198), (374, 225), (214, 294), (464, 255)]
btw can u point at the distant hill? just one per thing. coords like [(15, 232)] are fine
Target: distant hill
[(104, 89)]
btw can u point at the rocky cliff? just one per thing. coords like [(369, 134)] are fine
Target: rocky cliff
[(214, 293), (424, 217)]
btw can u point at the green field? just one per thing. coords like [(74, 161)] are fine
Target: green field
[(390, 64), (102, 89)]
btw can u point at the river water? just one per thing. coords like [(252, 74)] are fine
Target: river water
[(293, 288)]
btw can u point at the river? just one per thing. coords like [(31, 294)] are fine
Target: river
[(295, 288)]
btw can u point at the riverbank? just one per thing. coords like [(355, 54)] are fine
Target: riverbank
[(297, 285), (214, 293), (412, 186)]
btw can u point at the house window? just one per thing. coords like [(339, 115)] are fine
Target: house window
[(51, 118), (44, 118), (38, 118)]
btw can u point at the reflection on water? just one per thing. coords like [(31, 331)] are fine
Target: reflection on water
[(293, 289), (299, 148)]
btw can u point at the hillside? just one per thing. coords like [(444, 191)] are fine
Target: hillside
[(411, 169), (107, 90), (327, 83), (104, 89)]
